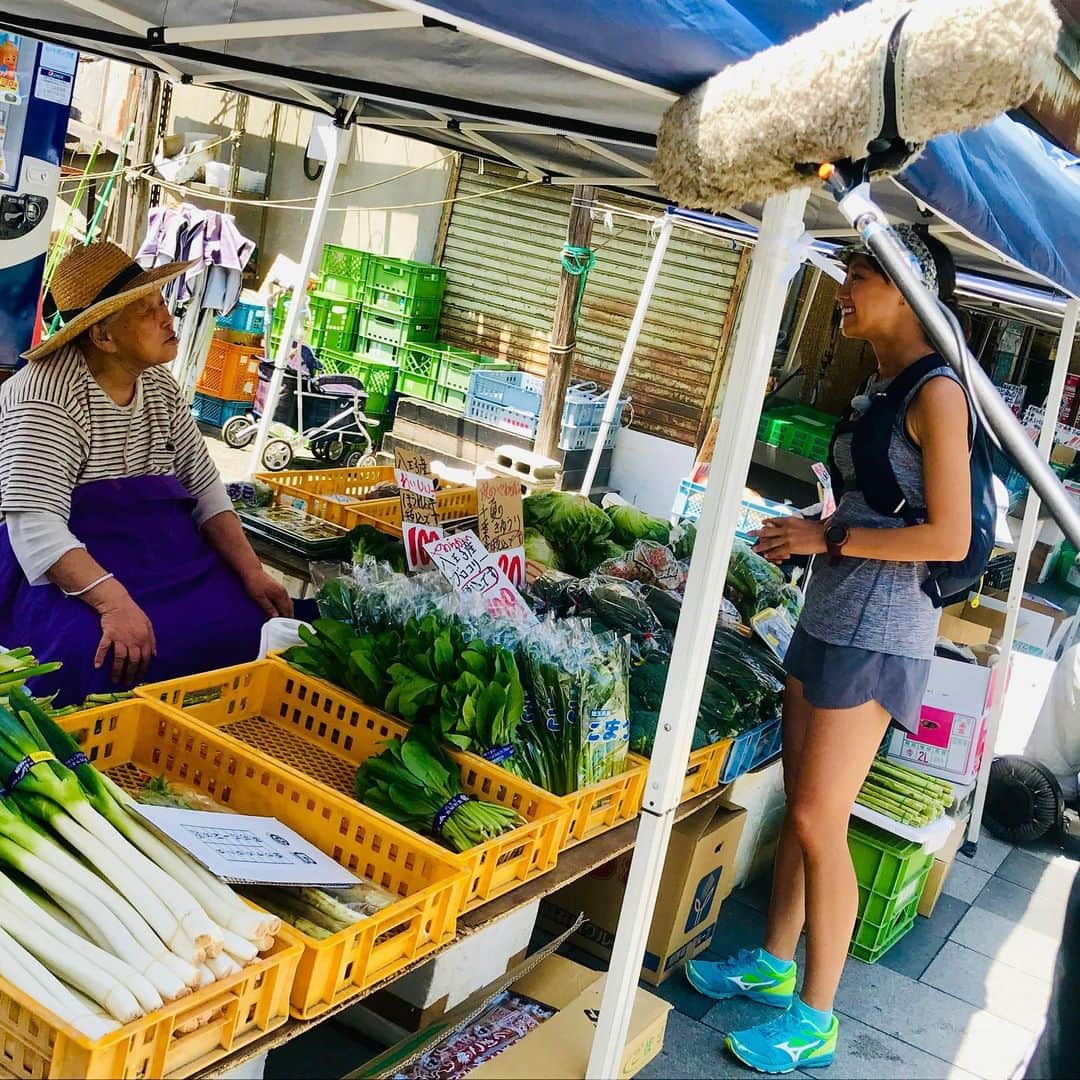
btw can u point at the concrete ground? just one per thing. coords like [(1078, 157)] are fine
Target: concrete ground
[(964, 994)]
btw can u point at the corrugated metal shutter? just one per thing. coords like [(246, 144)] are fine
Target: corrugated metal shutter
[(503, 256)]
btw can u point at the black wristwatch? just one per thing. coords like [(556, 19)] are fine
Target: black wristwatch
[(836, 536)]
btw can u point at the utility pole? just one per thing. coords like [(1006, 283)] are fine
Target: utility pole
[(564, 327)]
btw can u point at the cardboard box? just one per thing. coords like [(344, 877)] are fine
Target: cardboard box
[(559, 1048), (419, 998), (963, 631), (760, 793), (1035, 626), (697, 877), (952, 723), (939, 869)]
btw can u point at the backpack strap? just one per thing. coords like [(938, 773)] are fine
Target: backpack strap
[(875, 473)]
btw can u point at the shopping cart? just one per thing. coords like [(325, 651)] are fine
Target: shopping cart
[(316, 416)]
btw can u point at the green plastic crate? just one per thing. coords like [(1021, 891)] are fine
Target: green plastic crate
[(345, 264), (798, 429), (397, 330), (402, 305), (891, 874), (377, 350), (277, 319), (418, 374), (334, 322), (412, 279), (456, 368), (379, 378)]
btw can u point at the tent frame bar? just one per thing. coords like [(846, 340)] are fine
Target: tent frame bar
[(275, 28), (1025, 545), (766, 293)]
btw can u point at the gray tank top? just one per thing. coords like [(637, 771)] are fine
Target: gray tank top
[(868, 603)]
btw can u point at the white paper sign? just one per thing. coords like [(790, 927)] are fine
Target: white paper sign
[(247, 850), (828, 499), (424, 486), (473, 570)]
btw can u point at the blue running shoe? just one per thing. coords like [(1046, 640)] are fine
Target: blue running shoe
[(755, 974), (802, 1038)]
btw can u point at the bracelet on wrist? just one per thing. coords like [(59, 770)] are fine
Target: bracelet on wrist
[(88, 588)]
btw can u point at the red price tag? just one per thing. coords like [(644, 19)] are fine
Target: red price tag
[(416, 538), (512, 564)]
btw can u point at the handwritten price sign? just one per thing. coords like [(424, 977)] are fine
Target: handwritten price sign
[(473, 570), (512, 564), (417, 536)]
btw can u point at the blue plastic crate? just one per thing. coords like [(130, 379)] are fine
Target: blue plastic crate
[(215, 412), (519, 390), (244, 318), (576, 437), (751, 749), (688, 501)]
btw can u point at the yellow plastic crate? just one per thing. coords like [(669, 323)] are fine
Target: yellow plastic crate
[(451, 504), (136, 740), (607, 803), (323, 733), (167, 1042), (703, 769)]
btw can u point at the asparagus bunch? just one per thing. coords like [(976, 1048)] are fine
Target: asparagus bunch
[(904, 794)]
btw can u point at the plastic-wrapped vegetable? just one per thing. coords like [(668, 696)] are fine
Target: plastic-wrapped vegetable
[(682, 538), (596, 555), (629, 525), (649, 563)]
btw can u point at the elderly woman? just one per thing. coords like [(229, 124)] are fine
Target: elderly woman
[(120, 554)]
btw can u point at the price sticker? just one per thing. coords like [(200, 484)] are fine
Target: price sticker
[(828, 499)]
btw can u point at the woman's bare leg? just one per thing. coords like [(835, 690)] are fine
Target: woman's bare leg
[(787, 903), (836, 755)]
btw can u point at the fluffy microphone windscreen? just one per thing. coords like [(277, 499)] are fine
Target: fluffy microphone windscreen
[(737, 138)]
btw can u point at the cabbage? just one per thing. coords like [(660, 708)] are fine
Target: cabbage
[(569, 521), (629, 524), (595, 554), (538, 550), (682, 539)]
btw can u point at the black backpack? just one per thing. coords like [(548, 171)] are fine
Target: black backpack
[(874, 477)]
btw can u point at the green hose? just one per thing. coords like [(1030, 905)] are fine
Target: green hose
[(578, 261)]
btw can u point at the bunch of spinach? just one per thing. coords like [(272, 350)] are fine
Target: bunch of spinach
[(415, 782)]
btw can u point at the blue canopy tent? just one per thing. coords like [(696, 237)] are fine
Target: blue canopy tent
[(573, 92)]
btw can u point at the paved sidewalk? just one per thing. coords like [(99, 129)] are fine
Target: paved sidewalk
[(964, 994)]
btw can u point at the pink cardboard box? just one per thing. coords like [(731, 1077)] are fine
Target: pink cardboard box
[(952, 724)]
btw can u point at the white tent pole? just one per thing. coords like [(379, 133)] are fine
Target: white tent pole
[(766, 292), (1024, 547), (627, 356), (337, 144)]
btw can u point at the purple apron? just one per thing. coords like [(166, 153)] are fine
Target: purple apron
[(141, 529)]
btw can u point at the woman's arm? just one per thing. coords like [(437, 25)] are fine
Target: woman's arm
[(938, 421), (125, 628), (226, 536)]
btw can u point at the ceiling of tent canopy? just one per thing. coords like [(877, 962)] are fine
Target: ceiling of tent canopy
[(571, 91)]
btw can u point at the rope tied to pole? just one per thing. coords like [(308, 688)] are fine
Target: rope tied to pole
[(578, 261)]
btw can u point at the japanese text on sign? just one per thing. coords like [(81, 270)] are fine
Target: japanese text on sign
[(500, 518), (416, 537), (473, 570)]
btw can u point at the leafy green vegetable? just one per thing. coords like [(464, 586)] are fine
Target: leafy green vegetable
[(538, 549), (369, 543), (682, 539), (595, 555), (629, 524), (569, 521), (417, 783)]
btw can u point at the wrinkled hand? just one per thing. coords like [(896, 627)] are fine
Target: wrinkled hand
[(781, 537), (126, 630), (269, 594)]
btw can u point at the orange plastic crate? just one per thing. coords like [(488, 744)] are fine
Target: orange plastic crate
[(451, 504), (323, 733), (231, 371), (139, 739)]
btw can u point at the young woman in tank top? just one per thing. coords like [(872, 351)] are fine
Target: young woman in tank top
[(859, 659)]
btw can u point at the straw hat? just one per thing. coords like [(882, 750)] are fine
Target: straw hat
[(92, 282)]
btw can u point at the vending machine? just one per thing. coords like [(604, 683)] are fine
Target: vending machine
[(36, 83)]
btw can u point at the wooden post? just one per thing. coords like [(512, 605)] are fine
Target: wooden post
[(563, 328), (138, 188)]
